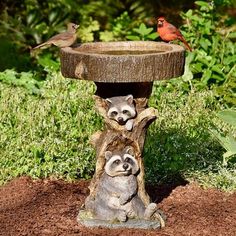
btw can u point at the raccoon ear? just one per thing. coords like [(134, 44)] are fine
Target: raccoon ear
[(108, 155), (130, 150), (100, 102), (108, 101), (129, 98)]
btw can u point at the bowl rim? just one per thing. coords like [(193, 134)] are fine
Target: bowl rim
[(74, 50)]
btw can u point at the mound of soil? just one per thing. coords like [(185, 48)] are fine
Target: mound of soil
[(46, 207)]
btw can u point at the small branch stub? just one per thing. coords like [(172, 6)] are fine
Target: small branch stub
[(81, 70)]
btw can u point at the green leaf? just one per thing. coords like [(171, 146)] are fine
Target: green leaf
[(31, 17), (137, 30), (86, 32), (232, 144), (52, 16), (152, 36), (189, 13), (201, 3), (230, 59), (222, 139), (232, 35), (197, 67), (106, 36), (143, 30), (217, 68), (133, 37), (48, 62), (218, 77), (204, 43), (228, 154), (206, 75), (188, 75), (228, 116)]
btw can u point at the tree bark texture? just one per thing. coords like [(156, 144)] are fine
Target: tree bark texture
[(95, 61), (122, 69), (116, 136)]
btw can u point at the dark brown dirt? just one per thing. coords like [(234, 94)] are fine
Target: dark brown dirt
[(46, 207)]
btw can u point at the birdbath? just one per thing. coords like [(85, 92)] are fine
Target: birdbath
[(123, 73)]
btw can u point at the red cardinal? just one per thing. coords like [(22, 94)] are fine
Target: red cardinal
[(169, 32)]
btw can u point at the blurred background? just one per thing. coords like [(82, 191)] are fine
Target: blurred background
[(26, 23), (46, 120)]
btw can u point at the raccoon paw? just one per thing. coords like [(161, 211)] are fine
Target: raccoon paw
[(131, 213), (129, 125), (123, 201), (122, 217), (124, 198)]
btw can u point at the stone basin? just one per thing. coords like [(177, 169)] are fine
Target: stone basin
[(123, 62)]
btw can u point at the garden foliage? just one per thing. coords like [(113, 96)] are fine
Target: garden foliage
[(46, 120), (228, 141)]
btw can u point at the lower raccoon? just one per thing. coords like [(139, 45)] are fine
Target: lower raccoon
[(122, 110), (116, 197)]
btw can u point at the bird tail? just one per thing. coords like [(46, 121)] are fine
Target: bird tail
[(41, 45), (186, 44)]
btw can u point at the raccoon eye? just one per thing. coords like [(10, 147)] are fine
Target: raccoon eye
[(117, 162), (114, 113), (125, 111), (128, 160)]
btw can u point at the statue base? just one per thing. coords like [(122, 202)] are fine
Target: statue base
[(85, 218)]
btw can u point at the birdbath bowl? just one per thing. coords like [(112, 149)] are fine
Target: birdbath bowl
[(117, 62), (123, 73)]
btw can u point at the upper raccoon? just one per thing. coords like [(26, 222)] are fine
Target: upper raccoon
[(116, 197), (122, 110)]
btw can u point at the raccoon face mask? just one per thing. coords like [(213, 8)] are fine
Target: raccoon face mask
[(122, 163), (121, 108)]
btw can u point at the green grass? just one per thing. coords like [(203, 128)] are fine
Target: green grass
[(48, 135), (179, 142)]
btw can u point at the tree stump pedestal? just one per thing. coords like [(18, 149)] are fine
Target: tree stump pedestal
[(123, 73)]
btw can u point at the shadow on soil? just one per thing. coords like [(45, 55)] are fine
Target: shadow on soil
[(159, 192), (171, 153)]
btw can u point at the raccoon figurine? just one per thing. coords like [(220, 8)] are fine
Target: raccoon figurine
[(116, 197), (122, 110)]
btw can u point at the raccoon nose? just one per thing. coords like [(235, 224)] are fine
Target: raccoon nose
[(125, 166), (120, 119)]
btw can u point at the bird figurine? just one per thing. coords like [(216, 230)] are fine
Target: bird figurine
[(64, 39), (169, 32)]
